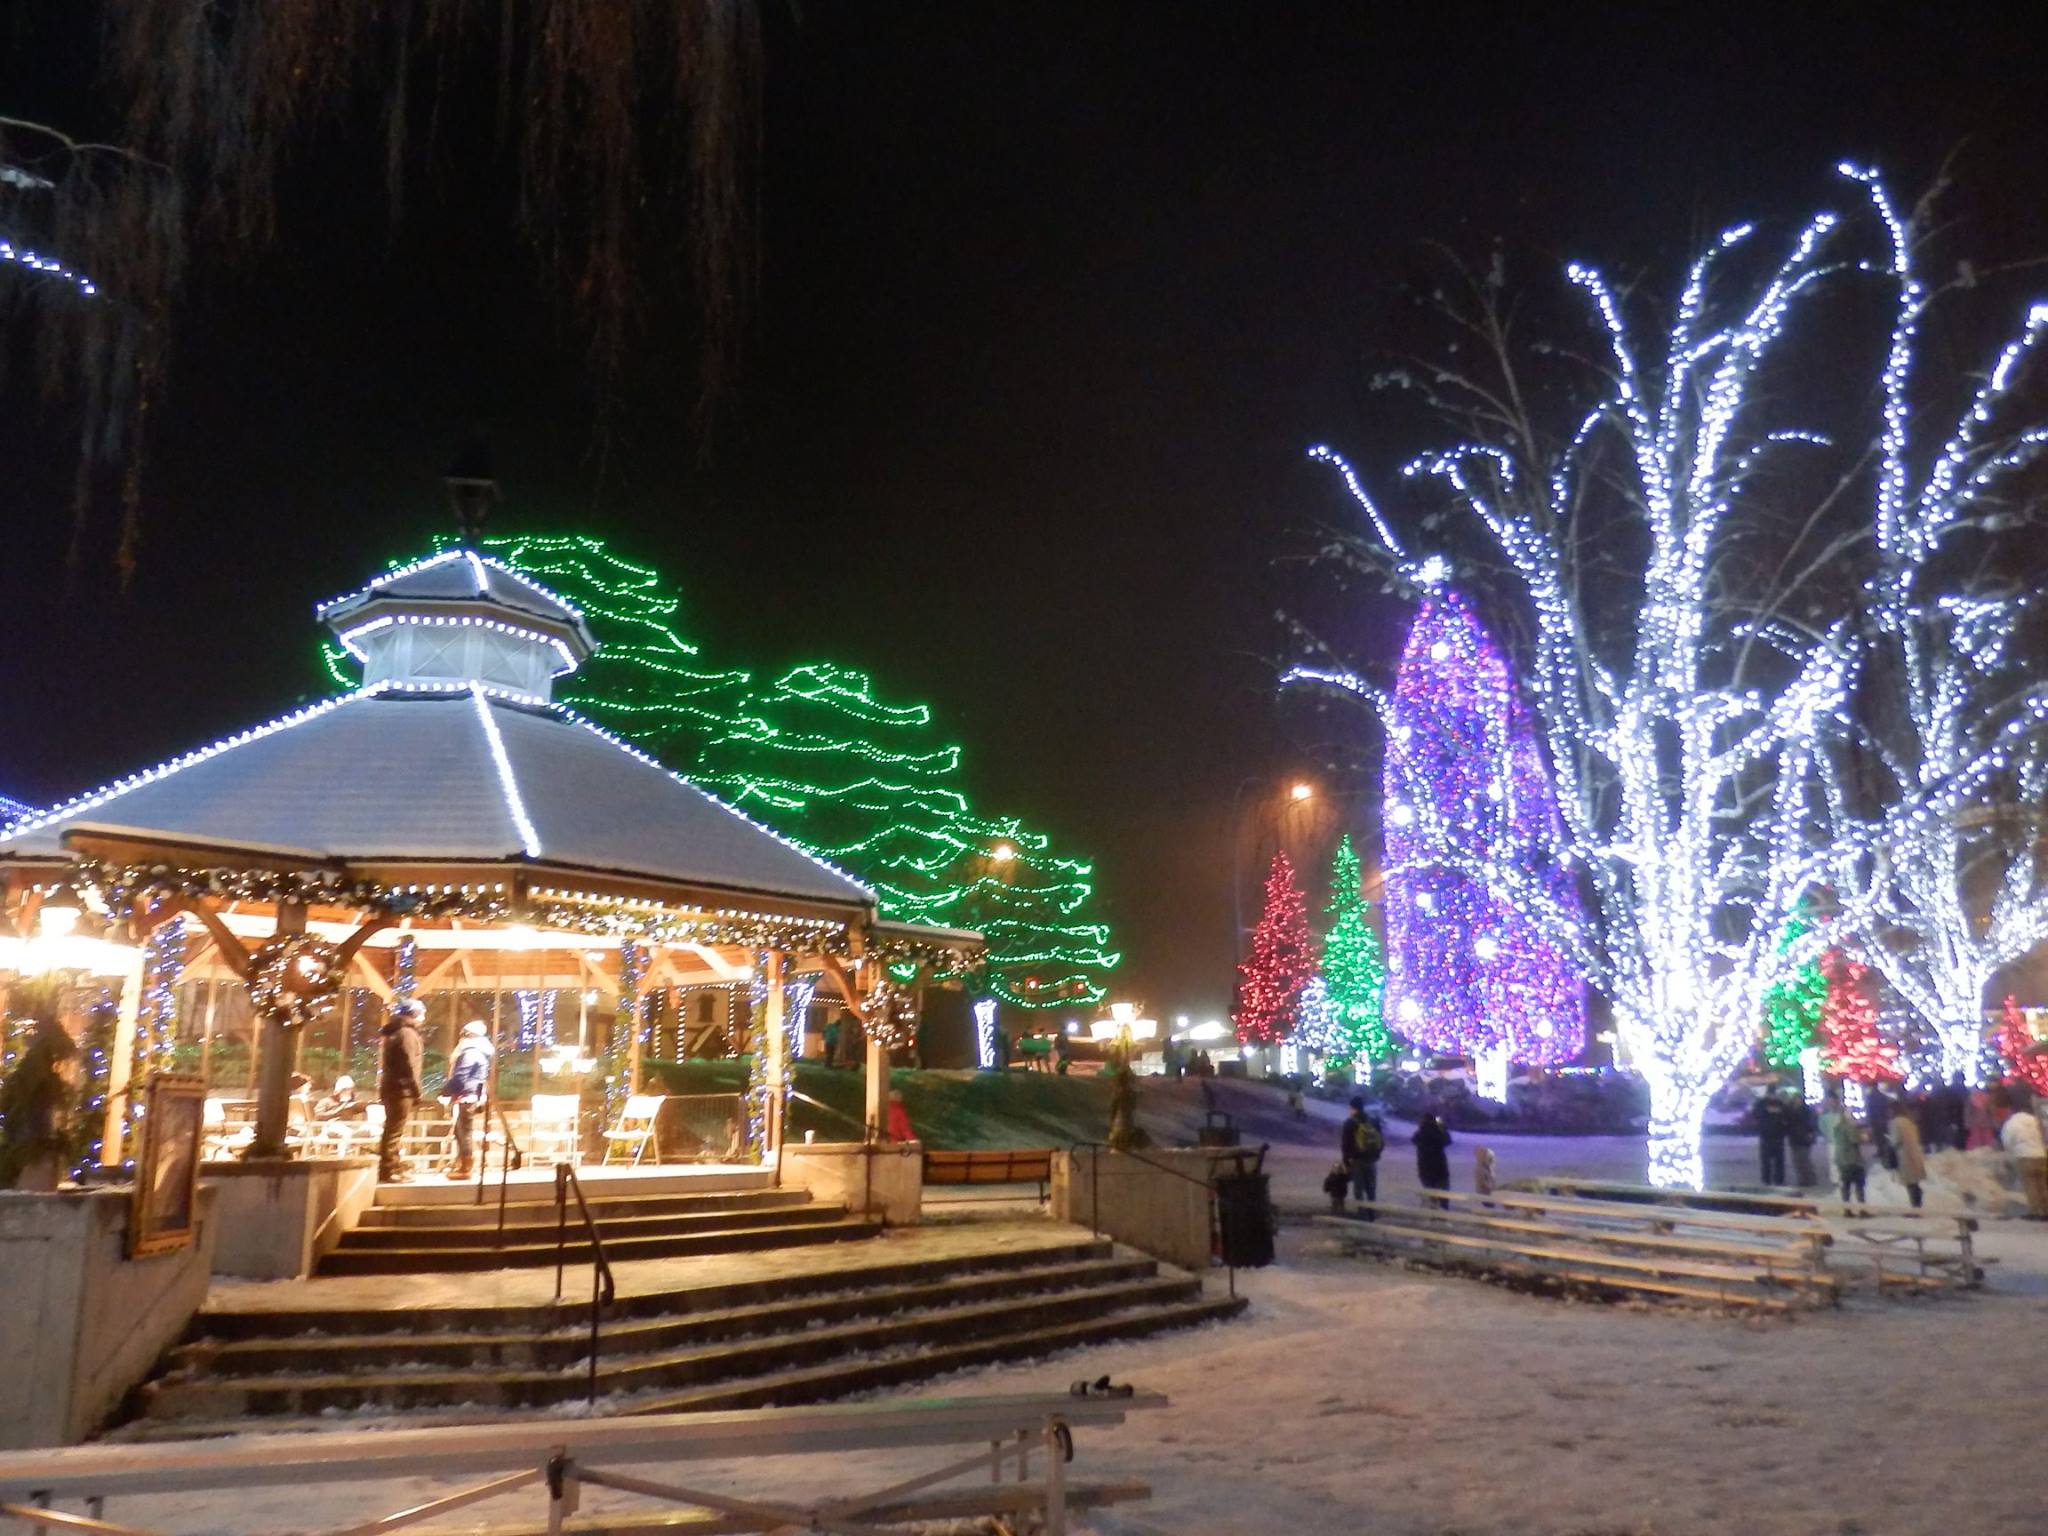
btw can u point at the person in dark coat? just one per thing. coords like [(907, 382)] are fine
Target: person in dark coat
[(1802, 1129), (398, 1085), (35, 1109), (1359, 1144), (1955, 1131), (1432, 1154), (1770, 1138)]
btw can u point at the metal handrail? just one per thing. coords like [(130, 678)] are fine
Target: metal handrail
[(1095, 1150), (853, 1120), (512, 1157), (603, 1289)]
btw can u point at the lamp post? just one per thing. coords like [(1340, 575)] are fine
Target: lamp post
[(1299, 792)]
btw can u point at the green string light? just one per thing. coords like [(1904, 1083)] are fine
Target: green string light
[(1792, 1007), (862, 783)]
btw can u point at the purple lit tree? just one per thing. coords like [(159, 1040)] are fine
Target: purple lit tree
[(1465, 787)]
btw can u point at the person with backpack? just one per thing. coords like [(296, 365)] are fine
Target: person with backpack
[(1359, 1144)]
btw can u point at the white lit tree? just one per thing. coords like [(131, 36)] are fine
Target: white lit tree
[(1947, 772), (1688, 586)]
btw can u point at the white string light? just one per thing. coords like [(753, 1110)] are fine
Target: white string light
[(1693, 753)]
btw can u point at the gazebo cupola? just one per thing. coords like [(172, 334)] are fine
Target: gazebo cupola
[(456, 620)]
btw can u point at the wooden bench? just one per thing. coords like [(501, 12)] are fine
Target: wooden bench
[(1732, 1201), (1000, 1165), (1799, 1257), (1575, 1264), (1660, 1218)]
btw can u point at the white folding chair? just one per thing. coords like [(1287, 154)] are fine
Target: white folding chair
[(635, 1130), (554, 1135)]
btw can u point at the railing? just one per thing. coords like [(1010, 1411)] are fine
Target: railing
[(855, 1121), (509, 1158), (1022, 1447), (1095, 1149), (603, 1290)]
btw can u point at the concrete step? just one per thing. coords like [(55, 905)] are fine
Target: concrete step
[(808, 1384), (877, 1340), (568, 1339), (299, 1323), (528, 1214), (616, 1228), (536, 1185), (826, 1226), (817, 1384)]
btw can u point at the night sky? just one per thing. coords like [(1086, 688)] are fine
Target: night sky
[(1052, 298)]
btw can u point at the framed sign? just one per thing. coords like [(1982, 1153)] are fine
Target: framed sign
[(164, 1211)]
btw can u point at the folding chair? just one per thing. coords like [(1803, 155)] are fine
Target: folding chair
[(555, 1136), (635, 1130)]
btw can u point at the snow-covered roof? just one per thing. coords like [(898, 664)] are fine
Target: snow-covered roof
[(13, 810), (461, 579), (457, 774)]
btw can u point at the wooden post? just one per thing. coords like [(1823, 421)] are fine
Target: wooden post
[(121, 1063), (776, 1067), (877, 1071), (280, 1047)]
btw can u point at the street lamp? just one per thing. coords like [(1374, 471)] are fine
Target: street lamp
[(1298, 792)]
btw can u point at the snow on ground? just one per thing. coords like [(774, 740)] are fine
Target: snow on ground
[(1360, 1397), (1363, 1398)]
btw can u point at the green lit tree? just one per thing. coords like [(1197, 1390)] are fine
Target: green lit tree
[(1352, 966), (1792, 1007), (873, 788), (869, 786), (646, 682)]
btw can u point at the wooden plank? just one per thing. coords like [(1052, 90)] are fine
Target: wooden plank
[(1792, 1258), (1651, 1194), (360, 1455), (963, 1504), (1674, 1268), (1673, 1215), (1590, 1278)]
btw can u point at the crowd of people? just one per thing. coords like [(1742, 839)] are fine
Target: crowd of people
[(1900, 1129)]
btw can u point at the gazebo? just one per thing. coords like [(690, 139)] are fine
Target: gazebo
[(448, 831)]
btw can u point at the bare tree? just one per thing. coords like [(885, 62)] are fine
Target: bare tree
[(631, 122), (1689, 588)]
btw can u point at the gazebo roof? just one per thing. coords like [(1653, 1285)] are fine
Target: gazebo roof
[(456, 776), (438, 761)]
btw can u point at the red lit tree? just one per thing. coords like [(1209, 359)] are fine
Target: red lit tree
[(2025, 1057), (1282, 960), (1850, 1045)]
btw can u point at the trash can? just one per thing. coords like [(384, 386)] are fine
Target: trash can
[(1213, 1134), (1244, 1219)]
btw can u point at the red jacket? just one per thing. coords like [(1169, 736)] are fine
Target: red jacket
[(900, 1128)]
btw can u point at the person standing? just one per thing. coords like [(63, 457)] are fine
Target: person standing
[(398, 1085), (1845, 1143), (1359, 1144), (467, 1087), (1432, 1154), (899, 1127), (1908, 1156), (1770, 1137), (35, 1108), (2020, 1135), (1801, 1127)]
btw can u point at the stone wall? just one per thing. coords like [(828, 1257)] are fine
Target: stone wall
[(1156, 1201), (82, 1323), (278, 1217), (886, 1179)]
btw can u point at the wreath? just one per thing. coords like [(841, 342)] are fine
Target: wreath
[(292, 977)]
